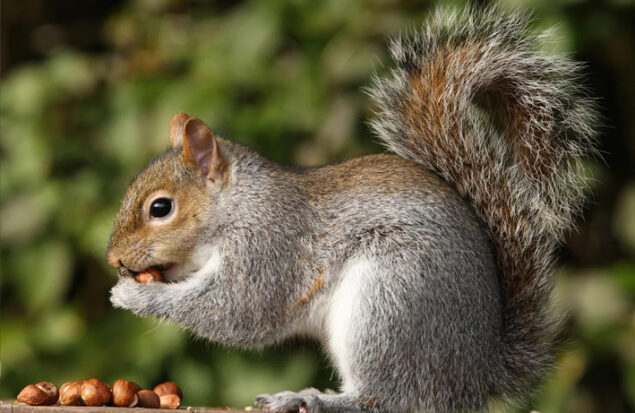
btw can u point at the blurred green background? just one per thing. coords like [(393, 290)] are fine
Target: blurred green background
[(87, 91)]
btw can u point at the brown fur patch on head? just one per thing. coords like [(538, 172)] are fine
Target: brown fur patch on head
[(138, 243)]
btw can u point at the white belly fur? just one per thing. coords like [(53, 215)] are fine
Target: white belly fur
[(342, 311)]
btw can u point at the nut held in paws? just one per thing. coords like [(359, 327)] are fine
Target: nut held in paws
[(148, 276)]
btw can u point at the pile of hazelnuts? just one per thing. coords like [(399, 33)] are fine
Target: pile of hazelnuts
[(93, 392)]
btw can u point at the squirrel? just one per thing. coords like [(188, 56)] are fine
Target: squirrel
[(425, 273)]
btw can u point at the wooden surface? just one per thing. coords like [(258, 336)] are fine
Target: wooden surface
[(12, 406)]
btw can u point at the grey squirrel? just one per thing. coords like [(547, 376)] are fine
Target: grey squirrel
[(425, 273)]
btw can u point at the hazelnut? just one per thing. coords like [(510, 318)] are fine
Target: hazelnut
[(33, 395), (71, 393), (169, 387), (149, 275), (149, 399), (51, 391), (95, 382), (124, 393), (170, 401), (96, 393)]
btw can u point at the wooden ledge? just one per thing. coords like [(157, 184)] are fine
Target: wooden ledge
[(12, 406)]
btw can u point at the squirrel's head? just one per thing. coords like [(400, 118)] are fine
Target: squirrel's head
[(167, 206)]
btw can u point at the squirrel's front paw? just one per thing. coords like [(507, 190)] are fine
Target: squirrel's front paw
[(121, 293), (130, 295)]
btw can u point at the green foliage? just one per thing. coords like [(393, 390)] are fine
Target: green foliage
[(286, 78)]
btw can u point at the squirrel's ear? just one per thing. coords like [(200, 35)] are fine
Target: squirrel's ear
[(176, 128), (200, 148)]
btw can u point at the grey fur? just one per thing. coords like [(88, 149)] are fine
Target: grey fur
[(434, 325)]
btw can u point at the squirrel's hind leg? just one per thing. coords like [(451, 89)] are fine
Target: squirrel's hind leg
[(342, 314), (314, 401)]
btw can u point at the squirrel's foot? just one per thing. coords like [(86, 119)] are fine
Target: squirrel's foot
[(312, 401)]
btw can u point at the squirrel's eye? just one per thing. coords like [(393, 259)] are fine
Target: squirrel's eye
[(160, 207)]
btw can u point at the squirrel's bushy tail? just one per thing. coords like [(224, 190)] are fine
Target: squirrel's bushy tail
[(473, 100)]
